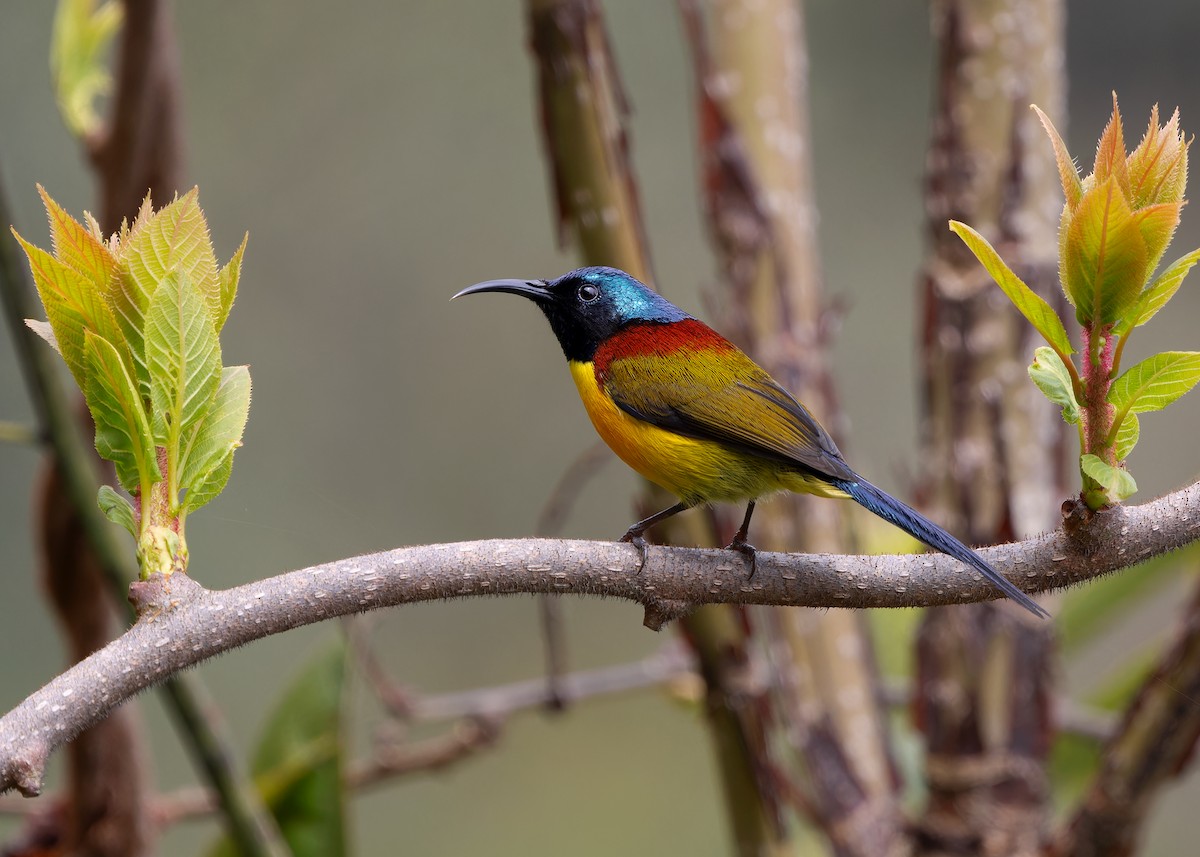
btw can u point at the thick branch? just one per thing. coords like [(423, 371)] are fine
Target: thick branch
[(183, 624)]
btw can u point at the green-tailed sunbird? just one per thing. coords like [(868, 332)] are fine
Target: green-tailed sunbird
[(685, 408)]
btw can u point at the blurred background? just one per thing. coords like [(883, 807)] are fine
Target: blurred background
[(384, 155)]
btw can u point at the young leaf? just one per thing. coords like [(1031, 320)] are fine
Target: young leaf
[(1155, 382), (122, 430), (228, 282), (207, 486), (1053, 379), (183, 357), (72, 305), (76, 247), (1105, 261), (298, 765), (1029, 303), (1110, 153), (1067, 171), (220, 432), (82, 31), (45, 331), (1117, 481), (174, 238), (1157, 294), (117, 509), (1127, 436)]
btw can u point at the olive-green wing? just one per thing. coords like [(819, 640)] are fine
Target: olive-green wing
[(726, 397)]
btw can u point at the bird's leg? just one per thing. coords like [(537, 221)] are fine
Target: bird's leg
[(635, 533), (740, 544)]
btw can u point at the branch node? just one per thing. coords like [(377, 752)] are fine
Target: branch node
[(662, 611), (160, 593), (25, 770)]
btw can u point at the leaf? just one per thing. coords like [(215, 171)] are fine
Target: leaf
[(45, 331), (206, 488), (228, 282), (1110, 153), (1067, 171), (76, 246), (1053, 379), (122, 430), (82, 31), (1155, 382), (1157, 224), (298, 764), (220, 432), (1157, 294), (1105, 261), (183, 357), (72, 305), (1029, 303), (1128, 435), (1116, 481), (117, 509)]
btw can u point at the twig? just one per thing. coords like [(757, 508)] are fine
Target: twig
[(182, 624)]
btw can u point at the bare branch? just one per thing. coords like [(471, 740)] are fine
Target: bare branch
[(182, 624)]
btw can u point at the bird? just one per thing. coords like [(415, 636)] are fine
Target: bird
[(688, 410)]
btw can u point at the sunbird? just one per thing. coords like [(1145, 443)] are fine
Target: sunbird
[(688, 410)]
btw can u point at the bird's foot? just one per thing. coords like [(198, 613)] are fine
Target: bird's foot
[(634, 537), (747, 550)]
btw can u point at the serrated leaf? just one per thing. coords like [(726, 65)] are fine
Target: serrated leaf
[(76, 247), (1157, 224), (72, 305), (1117, 482), (183, 357), (1157, 294), (1158, 166), (45, 331), (1155, 382), (207, 487), (82, 31), (220, 432), (1110, 153), (1128, 435), (228, 281), (1031, 305), (298, 764), (117, 509), (1068, 173), (1105, 261), (122, 430), (1053, 379)]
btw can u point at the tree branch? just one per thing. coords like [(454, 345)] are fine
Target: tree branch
[(182, 624)]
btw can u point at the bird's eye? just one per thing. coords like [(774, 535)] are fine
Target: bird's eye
[(588, 293)]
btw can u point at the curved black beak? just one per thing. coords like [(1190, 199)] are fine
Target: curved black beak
[(535, 290)]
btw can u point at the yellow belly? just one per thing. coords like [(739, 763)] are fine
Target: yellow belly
[(696, 471)]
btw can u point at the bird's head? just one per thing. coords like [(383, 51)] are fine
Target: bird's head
[(588, 305)]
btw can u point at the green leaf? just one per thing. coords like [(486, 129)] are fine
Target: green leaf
[(208, 486), (1116, 481), (228, 282), (82, 31), (1155, 382), (117, 509), (1105, 261), (183, 357), (122, 430), (1127, 436), (214, 438), (298, 764), (1157, 294), (1031, 305), (1052, 378), (1067, 171), (72, 305)]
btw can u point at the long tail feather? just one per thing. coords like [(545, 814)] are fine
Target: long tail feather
[(920, 527)]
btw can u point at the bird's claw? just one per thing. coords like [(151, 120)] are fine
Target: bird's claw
[(748, 551), (636, 539)]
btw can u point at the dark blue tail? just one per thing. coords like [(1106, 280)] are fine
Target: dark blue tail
[(920, 527)]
